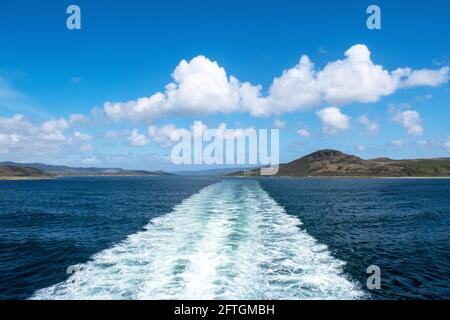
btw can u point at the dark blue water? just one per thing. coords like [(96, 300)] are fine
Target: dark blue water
[(48, 225), (400, 225)]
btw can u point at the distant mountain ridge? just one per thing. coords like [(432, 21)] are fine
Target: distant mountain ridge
[(10, 171), (334, 163), (13, 169)]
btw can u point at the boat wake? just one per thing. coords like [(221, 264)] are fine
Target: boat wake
[(229, 241)]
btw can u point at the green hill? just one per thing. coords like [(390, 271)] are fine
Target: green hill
[(15, 172), (333, 163), (62, 171)]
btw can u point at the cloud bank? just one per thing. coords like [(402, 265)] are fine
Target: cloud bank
[(19, 138), (203, 87)]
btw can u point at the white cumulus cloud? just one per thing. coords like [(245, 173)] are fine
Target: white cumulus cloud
[(333, 120), (162, 135), (22, 140), (410, 120), (137, 139), (201, 87), (53, 130), (425, 77)]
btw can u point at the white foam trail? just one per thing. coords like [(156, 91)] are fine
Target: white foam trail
[(229, 241)]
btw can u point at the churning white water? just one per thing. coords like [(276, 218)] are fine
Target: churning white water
[(229, 241)]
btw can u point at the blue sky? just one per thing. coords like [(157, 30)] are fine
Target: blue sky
[(55, 84)]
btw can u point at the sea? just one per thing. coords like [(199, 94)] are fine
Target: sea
[(180, 237)]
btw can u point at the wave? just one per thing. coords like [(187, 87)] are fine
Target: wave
[(229, 241)]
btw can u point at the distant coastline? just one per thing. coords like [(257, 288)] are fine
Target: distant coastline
[(336, 164), (322, 164), (4, 178), (37, 171), (24, 178), (339, 177)]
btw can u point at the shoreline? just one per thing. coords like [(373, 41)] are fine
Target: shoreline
[(338, 177), (108, 175), (74, 176), (24, 178), (237, 176)]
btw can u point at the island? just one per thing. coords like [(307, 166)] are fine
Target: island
[(9, 172), (33, 171), (334, 163)]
